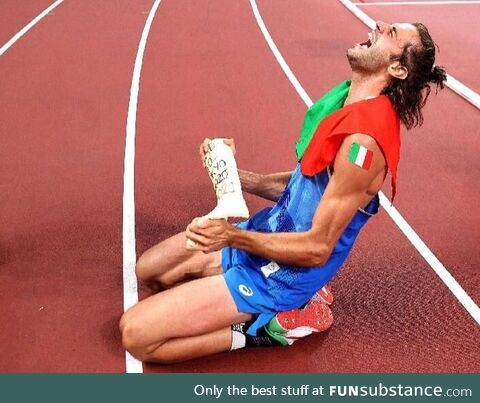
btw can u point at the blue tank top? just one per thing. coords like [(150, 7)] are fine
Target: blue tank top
[(290, 287)]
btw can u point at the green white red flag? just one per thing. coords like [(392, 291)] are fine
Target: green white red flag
[(360, 155)]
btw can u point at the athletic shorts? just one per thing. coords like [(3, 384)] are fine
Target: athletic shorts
[(247, 296), (263, 287)]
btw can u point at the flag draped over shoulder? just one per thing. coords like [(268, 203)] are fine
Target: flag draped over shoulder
[(327, 123), (329, 103)]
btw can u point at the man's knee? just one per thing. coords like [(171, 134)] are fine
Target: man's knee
[(154, 265), (143, 268), (133, 333), (150, 273), (131, 330), (129, 333)]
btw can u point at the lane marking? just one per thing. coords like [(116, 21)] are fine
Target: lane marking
[(452, 83), (394, 214), (279, 57), (432, 260), (286, 69), (418, 3), (27, 27), (130, 290)]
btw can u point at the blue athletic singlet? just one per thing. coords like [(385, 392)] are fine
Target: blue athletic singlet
[(262, 287)]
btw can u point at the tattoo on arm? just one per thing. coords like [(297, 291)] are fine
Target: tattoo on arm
[(360, 155)]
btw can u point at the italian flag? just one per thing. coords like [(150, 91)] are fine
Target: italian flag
[(360, 156)]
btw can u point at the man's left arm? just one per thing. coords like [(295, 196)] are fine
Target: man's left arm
[(349, 188)]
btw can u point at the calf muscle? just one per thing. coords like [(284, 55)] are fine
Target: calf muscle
[(192, 309)]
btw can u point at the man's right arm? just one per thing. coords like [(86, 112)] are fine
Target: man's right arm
[(267, 186)]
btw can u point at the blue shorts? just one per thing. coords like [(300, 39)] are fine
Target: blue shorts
[(247, 296), (262, 287)]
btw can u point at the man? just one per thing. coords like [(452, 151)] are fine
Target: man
[(277, 260)]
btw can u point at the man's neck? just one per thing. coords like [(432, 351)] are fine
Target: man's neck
[(365, 87)]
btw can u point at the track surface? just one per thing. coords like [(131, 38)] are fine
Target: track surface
[(208, 72), (64, 99), (14, 16)]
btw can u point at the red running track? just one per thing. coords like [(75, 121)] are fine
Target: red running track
[(209, 72), (64, 98), (14, 16)]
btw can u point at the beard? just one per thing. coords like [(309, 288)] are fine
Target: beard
[(369, 60)]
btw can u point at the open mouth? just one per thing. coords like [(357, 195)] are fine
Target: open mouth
[(368, 42)]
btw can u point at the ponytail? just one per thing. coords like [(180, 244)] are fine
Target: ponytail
[(438, 76)]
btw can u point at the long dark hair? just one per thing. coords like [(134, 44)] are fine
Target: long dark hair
[(410, 95)]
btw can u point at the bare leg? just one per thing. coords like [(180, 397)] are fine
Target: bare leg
[(188, 348), (165, 327), (169, 263)]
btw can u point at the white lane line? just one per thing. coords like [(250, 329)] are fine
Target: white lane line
[(279, 57), (462, 90), (27, 27), (432, 260), (418, 3), (408, 231), (130, 292), (452, 83)]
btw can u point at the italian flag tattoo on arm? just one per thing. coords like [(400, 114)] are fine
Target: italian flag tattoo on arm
[(360, 156)]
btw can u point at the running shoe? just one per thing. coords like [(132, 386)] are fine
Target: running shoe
[(325, 295), (289, 326)]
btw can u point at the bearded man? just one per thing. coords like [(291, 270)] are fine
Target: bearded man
[(262, 282)]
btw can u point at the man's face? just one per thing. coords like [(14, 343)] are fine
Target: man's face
[(382, 45)]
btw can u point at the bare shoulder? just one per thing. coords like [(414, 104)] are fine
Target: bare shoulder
[(365, 140), (360, 161)]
